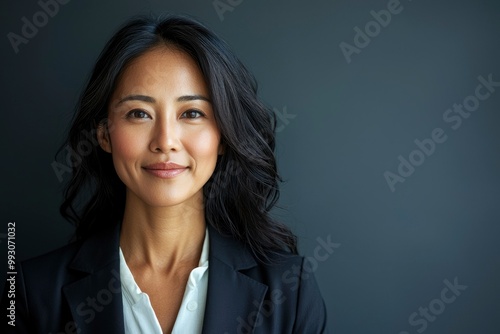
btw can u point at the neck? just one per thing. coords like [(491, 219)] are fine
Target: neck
[(162, 238)]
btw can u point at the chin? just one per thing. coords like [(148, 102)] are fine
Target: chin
[(165, 201)]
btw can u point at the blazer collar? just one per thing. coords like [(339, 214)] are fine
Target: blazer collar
[(102, 249), (95, 300), (229, 251), (233, 298)]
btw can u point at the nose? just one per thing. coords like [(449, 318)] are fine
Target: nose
[(165, 137)]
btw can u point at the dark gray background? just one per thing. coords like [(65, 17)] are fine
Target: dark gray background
[(352, 121)]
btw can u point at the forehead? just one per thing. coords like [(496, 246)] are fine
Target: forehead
[(163, 68)]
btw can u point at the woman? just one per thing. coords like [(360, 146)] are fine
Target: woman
[(174, 234)]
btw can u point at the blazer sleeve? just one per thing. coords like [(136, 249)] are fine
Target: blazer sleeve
[(20, 313), (311, 311)]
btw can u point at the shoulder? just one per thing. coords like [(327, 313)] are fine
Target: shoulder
[(36, 281), (43, 276), (47, 273), (280, 269), (281, 266), (289, 273), (291, 291), (70, 261), (52, 261)]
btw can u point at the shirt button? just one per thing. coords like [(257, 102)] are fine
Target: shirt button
[(192, 305)]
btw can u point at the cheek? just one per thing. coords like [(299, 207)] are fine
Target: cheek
[(125, 144), (206, 144)]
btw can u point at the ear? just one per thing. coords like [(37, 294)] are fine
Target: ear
[(103, 136)]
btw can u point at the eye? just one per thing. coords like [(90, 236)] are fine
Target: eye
[(192, 114), (137, 113)]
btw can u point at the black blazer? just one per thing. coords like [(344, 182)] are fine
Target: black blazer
[(77, 289)]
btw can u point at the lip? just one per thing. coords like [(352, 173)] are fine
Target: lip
[(165, 170)]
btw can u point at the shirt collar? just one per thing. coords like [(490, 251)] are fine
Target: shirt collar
[(204, 251)]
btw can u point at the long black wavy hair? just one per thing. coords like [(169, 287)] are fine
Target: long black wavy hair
[(244, 186)]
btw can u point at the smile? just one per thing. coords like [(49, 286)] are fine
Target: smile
[(165, 170)]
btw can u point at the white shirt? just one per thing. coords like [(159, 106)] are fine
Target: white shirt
[(139, 315)]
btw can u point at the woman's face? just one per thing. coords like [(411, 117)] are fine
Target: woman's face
[(161, 130)]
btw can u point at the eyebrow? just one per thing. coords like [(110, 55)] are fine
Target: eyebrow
[(149, 99), (194, 97)]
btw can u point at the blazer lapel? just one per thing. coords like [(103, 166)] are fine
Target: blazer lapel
[(95, 300), (233, 298)]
